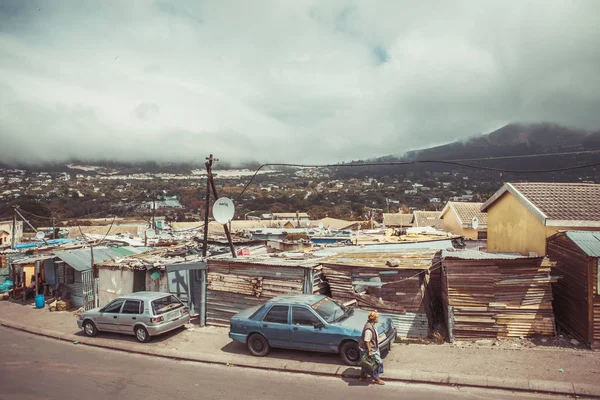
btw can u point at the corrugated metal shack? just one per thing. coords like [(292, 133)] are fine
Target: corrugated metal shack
[(74, 267), (397, 284), (496, 295), (234, 284), (576, 293)]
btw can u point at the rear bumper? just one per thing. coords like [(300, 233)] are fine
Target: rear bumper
[(154, 330), (238, 337), (387, 343), (80, 323)]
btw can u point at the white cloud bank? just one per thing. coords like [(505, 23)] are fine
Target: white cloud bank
[(301, 81)]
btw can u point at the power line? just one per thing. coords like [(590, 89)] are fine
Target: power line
[(458, 163)]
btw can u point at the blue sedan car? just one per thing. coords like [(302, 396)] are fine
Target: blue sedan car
[(307, 322)]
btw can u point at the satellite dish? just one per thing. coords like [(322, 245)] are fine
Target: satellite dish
[(475, 223), (40, 235), (223, 210), (150, 233)]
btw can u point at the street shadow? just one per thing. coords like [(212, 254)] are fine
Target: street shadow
[(286, 354), (30, 302), (350, 375), (131, 339)]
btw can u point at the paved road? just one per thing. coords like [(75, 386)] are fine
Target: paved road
[(35, 368)]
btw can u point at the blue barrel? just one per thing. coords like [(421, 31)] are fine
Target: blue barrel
[(39, 301)]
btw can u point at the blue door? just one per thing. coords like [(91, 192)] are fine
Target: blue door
[(276, 327), (308, 331)]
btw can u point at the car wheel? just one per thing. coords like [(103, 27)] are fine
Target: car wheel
[(141, 334), (258, 345), (90, 329), (350, 353)]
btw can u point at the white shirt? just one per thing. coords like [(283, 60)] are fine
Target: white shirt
[(368, 335)]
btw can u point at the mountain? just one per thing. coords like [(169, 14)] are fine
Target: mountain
[(541, 140), (514, 139)]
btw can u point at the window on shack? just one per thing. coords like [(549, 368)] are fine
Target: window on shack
[(598, 277), (66, 273)]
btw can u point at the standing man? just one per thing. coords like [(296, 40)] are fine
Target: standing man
[(369, 344)]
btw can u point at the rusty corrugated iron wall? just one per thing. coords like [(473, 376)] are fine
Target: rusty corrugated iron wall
[(571, 304), (235, 285)]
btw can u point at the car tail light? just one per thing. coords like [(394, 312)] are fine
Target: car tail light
[(186, 310), (157, 319)]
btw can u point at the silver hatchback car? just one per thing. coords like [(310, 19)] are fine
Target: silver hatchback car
[(143, 314)]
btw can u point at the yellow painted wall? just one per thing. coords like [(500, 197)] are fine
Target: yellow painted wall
[(513, 228), (451, 224)]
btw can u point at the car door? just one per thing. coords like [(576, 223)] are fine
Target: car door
[(308, 331), (108, 317), (275, 326), (130, 314)]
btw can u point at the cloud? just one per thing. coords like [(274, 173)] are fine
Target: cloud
[(302, 81)]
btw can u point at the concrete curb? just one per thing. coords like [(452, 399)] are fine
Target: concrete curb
[(406, 376)]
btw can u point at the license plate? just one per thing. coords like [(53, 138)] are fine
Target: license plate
[(174, 315)]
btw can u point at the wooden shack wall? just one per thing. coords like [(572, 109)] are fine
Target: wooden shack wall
[(571, 301), (401, 294), (491, 298), (234, 286), (594, 267)]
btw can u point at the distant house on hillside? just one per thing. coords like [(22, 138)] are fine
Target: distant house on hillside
[(521, 216), (397, 220), (458, 218), (6, 232), (166, 203), (427, 218), (291, 216)]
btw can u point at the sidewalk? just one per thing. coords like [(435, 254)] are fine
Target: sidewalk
[(544, 369)]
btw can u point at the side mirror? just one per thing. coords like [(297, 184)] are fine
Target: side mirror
[(318, 325)]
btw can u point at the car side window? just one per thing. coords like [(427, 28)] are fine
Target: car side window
[(302, 316), (114, 307), (277, 314), (132, 307)]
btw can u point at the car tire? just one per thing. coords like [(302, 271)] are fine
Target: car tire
[(258, 345), (350, 353), (141, 334), (89, 328)]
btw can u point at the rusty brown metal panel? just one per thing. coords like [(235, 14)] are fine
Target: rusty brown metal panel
[(497, 297), (571, 292)]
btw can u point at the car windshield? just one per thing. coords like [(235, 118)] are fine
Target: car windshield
[(165, 304), (329, 309)]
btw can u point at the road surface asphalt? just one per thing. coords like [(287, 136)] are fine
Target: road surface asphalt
[(35, 368)]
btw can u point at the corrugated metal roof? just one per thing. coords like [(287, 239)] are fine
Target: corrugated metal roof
[(81, 260), (479, 255), (129, 250), (407, 260), (589, 242)]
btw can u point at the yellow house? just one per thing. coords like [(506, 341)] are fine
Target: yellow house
[(521, 216), (465, 219)]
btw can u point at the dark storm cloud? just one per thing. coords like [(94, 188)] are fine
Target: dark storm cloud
[(303, 81)]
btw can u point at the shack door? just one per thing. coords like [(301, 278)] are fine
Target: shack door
[(89, 298)]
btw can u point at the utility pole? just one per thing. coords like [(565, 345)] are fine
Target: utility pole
[(54, 236), (211, 185), (14, 228), (27, 222), (154, 212), (207, 205)]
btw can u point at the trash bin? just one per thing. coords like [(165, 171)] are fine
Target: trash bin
[(39, 301)]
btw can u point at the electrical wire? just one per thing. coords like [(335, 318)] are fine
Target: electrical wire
[(416, 162)]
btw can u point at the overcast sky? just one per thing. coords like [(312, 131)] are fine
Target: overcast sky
[(301, 81)]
